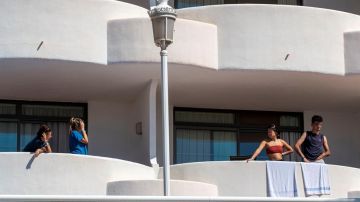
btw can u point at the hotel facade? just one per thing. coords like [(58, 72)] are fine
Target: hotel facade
[(234, 68)]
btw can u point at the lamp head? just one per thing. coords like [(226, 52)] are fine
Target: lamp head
[(163, 18)]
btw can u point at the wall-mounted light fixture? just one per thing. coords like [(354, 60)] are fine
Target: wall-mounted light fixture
[(138, 128)]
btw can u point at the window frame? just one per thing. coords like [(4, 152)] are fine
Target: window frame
[(299, 3), (19, 118), (237, 126)]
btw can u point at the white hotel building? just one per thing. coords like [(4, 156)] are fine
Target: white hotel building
[(234, 68)]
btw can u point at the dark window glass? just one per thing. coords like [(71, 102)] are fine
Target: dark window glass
[(224, 143), (52, 111), (194, 145), (193, 3), (213, 135), (205, 117), (28, 119), (248, 148), (8, 136), (9, 109), (251, 1)]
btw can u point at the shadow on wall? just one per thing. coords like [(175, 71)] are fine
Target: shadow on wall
[(28, 166), (65, 174), (155, 188)]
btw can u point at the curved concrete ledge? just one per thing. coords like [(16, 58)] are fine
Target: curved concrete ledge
[(352, 52), (249, 179), (254, 37), (91, 198), (155, 188), (354, 194), (131, 40), (273, 37), (65, 174), (73, 30)]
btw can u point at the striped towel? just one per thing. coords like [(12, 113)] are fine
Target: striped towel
[(316, 179), (281, 179)]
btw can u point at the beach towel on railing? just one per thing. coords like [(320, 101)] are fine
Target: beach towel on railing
[(281, 180), (316, 179)]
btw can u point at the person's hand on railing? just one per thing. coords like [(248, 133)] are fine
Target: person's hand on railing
[(250, 159), (38, 152)]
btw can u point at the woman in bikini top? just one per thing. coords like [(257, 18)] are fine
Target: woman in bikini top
[(274, 146)]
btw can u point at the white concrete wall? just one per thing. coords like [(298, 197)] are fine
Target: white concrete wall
[(217, 37), (88, 198), (159, 140), (159, 133), (152, 119), (65, 174), (131, 40), (352, 50), (146, 3), (342, 130), (142, 3), (249, 179), (112, 131), (351, 6), (70, 29), (140, 115), (156, 188), (261, 36)]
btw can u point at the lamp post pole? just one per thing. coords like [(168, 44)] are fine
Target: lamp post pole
[(165, 121), (163, 17)]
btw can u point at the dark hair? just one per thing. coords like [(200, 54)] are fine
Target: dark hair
[(43, 129), (275, 129), (316, 118)]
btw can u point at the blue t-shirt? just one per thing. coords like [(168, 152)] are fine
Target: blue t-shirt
[(76, 146)]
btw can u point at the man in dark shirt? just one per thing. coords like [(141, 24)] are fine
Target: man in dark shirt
[(40, 143), (313, 146)]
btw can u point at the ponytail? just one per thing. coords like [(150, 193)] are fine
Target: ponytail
[(274, 128), (75, 123)]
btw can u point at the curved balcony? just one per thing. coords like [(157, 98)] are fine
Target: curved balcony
[(249, 179), (72, 30), (274, 37), (236, 37), (67, 175)]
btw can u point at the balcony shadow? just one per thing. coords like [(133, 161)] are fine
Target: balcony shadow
[(28, 166)]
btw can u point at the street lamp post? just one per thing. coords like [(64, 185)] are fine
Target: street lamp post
[(163, 18)]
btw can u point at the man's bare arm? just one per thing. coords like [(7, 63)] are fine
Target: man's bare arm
[(326, 152), (298, 146)]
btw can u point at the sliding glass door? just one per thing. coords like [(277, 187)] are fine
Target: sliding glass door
[(216, 135), (194, 3), (194, 145), (20, 121), (8, 136)]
